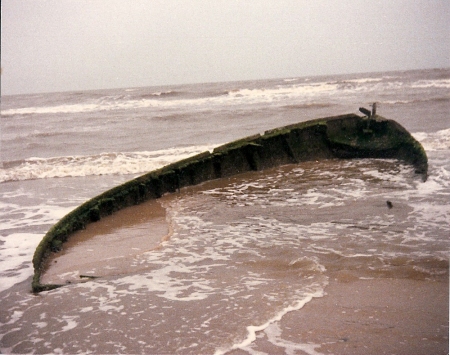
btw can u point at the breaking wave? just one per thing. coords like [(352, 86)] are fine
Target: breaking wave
[(112, 163), (434, 141)]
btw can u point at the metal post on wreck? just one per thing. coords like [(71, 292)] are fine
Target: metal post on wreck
[(374, 109)]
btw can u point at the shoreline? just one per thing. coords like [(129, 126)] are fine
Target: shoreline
[(365, 316)]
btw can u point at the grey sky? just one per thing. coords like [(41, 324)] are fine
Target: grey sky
[(60, 45)]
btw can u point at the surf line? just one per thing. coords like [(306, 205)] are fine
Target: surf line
[(252, 329)]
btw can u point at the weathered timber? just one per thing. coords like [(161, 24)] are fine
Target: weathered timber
[(347, 136)]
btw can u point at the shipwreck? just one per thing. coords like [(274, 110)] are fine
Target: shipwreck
[(344, 137)]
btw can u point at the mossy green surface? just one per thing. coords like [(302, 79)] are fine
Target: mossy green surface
[(347, 136)]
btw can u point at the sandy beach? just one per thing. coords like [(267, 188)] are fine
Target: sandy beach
[(376, 316)]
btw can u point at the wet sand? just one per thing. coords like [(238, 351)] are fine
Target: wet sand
[(356, 316), (109, 246), (376, 316)]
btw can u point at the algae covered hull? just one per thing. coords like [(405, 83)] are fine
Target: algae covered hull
[(347, 136)]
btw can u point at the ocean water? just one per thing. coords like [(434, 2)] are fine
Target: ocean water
[(242, 252)]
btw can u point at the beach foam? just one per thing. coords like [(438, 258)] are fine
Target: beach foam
[(16, 251)]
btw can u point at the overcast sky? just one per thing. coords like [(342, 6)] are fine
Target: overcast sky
[(61, 45)]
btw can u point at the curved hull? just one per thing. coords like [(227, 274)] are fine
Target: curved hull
[(344, 137)]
